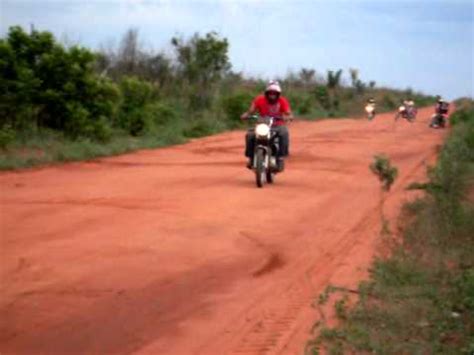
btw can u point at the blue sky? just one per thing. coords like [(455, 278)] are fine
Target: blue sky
[(424, 44)]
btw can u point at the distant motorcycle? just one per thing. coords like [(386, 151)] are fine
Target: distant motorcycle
[(438, 120), (370, 109), (407, 112), (266, 150)]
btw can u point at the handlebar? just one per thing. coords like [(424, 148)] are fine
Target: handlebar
[(274, 118)]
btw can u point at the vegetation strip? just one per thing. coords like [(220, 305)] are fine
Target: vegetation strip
[(419, 300), (64, 103)]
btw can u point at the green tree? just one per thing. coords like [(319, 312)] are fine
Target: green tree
[(333, 82), (136, 96), (42, 84), (202, 61)]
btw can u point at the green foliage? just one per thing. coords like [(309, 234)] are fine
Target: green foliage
[(202, 60), (7, 136), (52, 86), (322, 96), (464, 113), (333, 80), (161, 114), (102, 130), (86, 96), (388, 102), (421, 298), (235, 105), (305, 106), (301, 103), (201, 127), (340, 306), (136, 96), (384, 170)]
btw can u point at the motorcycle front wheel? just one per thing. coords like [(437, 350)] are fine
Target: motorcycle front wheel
[(260, 173), (270, 177)]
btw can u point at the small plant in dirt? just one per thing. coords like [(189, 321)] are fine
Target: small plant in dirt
[(384, 170), (341, 307)]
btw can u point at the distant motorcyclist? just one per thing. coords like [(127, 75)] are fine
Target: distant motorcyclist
[(271, 103), (438, 119), (370, 108), (407, 110)]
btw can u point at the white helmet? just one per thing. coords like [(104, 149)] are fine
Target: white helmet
[(273, 86)]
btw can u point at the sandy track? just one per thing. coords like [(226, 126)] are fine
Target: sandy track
[(175, 251)]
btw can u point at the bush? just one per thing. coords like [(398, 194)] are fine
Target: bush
[(236, 105), (388, 102), (102, 131), (200, 128), (305, 106), (7, 136), (77, 123), (55, 87), (322, 96), (136, 96), (465, 112), (199, 101), (161, 113), (384, 170)]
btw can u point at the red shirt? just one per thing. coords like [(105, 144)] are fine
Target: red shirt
[(277, 109)]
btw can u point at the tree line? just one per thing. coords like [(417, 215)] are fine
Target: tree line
[(85, 94)]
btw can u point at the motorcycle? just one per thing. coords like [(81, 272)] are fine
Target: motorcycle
[(406, 112), (370, 109), (265, 162), (438, 120)]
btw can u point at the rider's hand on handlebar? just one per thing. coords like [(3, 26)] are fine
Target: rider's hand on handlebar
[(244, 116)]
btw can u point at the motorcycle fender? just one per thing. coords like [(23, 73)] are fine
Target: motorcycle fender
[(265, 152)]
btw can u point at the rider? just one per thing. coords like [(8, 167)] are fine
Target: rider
[(271, 103), (370, 107), (441, 108)]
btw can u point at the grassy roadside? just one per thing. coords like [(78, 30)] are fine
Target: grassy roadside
[(420, 300), (47, 147)]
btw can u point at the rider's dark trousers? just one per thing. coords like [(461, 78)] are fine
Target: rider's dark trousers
[(283, 135)]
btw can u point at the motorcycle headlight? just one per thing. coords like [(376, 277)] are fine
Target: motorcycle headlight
[(262, 130)]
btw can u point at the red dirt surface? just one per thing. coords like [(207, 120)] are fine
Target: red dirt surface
[(175, 251)]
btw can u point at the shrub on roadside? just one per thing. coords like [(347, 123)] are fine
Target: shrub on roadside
[(161, 113), (236, 105), (7, 136), (200, 128), (136, 96)]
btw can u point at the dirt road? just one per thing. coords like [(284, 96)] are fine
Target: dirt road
[(175, 251)]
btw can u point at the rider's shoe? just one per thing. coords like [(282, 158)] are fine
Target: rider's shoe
[(250, 164), (280, 164)]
